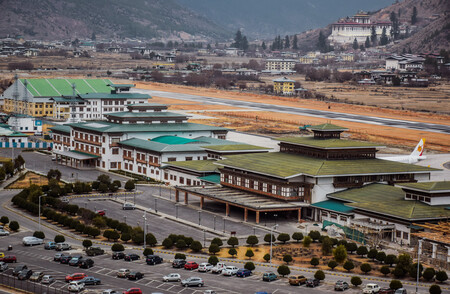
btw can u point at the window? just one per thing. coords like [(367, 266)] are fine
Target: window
[(324, 213), (188, 182), (166, 176), (333, 215), (189, 158), (113, 164), (343, 218), (398, 234), (115, 151), (172, 159), (405, 235), (181, 180)]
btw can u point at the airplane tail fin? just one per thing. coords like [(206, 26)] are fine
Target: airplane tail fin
[(418, 151)]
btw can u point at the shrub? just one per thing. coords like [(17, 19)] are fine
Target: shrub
[(398, 272), (249, 253), (385, 270), (428, 274), (87, 243), (327, 246), (116, 247), (356, 281), (351, 247), (114, 235), (390, 259), (217, 241), (213, 260), (125, 237), (213, 248), (249, 265), (103, 188), (59, 239), (283, 270), (180, 256), (348, 265), (151, 241), (188, 241), (4, 220), (283, 237), (372, 254), (395, 284), (39, 234), (320, 275), (362, 250), (129, 185), (80, 228), (147, 251), (99, 222), (340, 253), (297, 236), (107, 234), (287, 258), (233, 241), (252, 240), (94, 232), (413, 270), (307, 241), (196, 246), (332, 264), (167, 243), (266, 257), (441, 276), (365, 268), (435, 289), (314, 261), (14, 225), (232, 252), (315, 235), (180, 244), (267, 238), (381, 256)]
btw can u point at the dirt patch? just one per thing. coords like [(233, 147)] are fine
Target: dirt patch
[(29, 178)]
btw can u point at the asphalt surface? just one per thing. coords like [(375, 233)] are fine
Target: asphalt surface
[(413, 125)]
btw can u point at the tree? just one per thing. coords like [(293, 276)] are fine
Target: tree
[(233, 241), (322, 43), (249, 266), (59, 239), (435, 289), (327, 246), (267, 238), (315, 235), (116, 247), (129, 185), (340, 253), (297, 236), (365, 268), (283, 270), (94, 232), (356, 281), (263, 45), (398, 272), (395, 284), (39, 234), (372, 254), (252, 240), (362, 250), (150, 240), (232, 252), (390, 259), (441, 276), (249, 253), (54, 174), (307, 241), (404, 262), (283, 237), (125, 237), (244, 45), (2, 174), (348, 265), (428, 273), (384, 39), (373, 36), (237, 40), (381, 256), (266, 257), (147, 251), (320, 275), (332, 264), (19, 162), (4, 220), (367, 42), (355, 44), (287, 43), (314, 261), (217, 241), (107, 234), (395, 25), (295, 43), (87, 243), (385, 270), (196, 246), (351, 247), (180, 256), (287, 258), (414, 16), (9, 168), (167, 243), (213, 260), (213, 248), (412, 271)]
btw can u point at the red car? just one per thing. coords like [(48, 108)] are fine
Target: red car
[(75, 277), (100, 212), (191, 265), (132, 291), (9, 258)]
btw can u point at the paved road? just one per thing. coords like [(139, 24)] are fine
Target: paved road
[(437, 128)]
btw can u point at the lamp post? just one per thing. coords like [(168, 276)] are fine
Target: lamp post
[(265, 219), (39, 215), (145, 227), (254, 231), (176, 209), (224, 224), (204, 238), (271, 236), (419, 249), (214, 223), (156, 205), (275, 215), (199, 217), (125, 219)]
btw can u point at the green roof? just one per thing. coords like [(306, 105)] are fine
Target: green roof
[(285, 165), (146, 104), (129, 114), (67, 99), (389, 200), (159, 147), (107, 95), (61, 128), (122, 85), (63, 87), (17, 134), (334, 205), (327, 143), (234, 147), (328, 127), (85, 154), (428, 186), (173, 140), (214, 179), (195, 165)]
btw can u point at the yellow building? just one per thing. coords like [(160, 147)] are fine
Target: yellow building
[(284, 86)]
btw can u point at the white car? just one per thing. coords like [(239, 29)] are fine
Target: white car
[(123, 272), (4, 233), (230, 271), (172, 278), (371, 289), (76, 286), (205, 267), (3, 266), (128, 206), (218, 268), (30, 241)]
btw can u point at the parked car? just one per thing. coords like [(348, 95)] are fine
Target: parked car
[(91, 281), (62, 246), (204, 267), (312, 283), (94, 251), (37, 276), (31, 241), (268, 277), (9, 258), (75, 286), (230, 270), (110, 291), (118, 255), (3, 266), (131, 257), (86, 263), (400, 291), (50, 245), (218, 268), (123, 273), (178, 263), (371, 288), (242, 272), (297, 280), (386, 290), (172, 278), (128, 206), (25, 274), (340, 286), (2, 255), (135, 275), (65, 259), (58, 256), (76, 260), (4, 233), (132, 291), (18, 269), (192, 281), (191, 265), (47, 279), (153, 259), (100, 212), (75, 277)]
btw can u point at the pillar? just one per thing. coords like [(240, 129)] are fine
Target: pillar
[(434, 252), (177, 195), (202, 201), (227, 209), (299, 214), (448, 254), (257, 217), (245, 214), (186, 198)]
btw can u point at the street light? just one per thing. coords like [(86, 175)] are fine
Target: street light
[(254, 231), (419, 247), (275, 215), (125, 219), (199, 217), (224, 224), (176, 208), (265, 219), (271, 236), (204, 238), (214, 223), (145, 227), (39, 216), (156, 207)]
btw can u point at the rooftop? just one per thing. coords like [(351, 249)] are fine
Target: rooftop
[(334, 205), (147, 104), (129, 114), (63, 87), (195, 165), (235, 147), (173, 140), (107, 95), (328, 127), (285, 165), (428, 186), (327, 143), (283, 80), (61, 128), (159, 147)]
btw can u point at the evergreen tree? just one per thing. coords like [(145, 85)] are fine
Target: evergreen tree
[(322, 43), (414, 16), (244, 45), (373, 36), (384, 39), (237, 40), (367, 43), (263, 45), (394, 31), (287, 42), (355, 44), (295, 43)]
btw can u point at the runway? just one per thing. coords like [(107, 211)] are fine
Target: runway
[(412, 125)]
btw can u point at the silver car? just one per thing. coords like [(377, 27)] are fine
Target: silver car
[(4, 233), (128, 206), (192, 281), (172, 278), (3, 266), (47, 279)]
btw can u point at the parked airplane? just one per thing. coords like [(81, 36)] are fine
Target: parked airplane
[(414, 157)]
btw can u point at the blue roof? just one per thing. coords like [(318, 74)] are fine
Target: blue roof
[(215, 178), (334, 205), (173, 140)]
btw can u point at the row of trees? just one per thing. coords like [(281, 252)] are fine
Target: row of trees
[(13, 225), (10, 167)]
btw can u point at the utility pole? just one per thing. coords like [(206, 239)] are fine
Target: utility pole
[(271, 237), (145, 228), (419, 249)]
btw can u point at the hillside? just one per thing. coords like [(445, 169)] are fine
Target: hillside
[(65, 19)]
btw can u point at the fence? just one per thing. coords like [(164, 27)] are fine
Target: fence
[(12, 282), (37, 145)]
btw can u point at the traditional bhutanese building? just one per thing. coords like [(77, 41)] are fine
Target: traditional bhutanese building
[(283, 86)]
